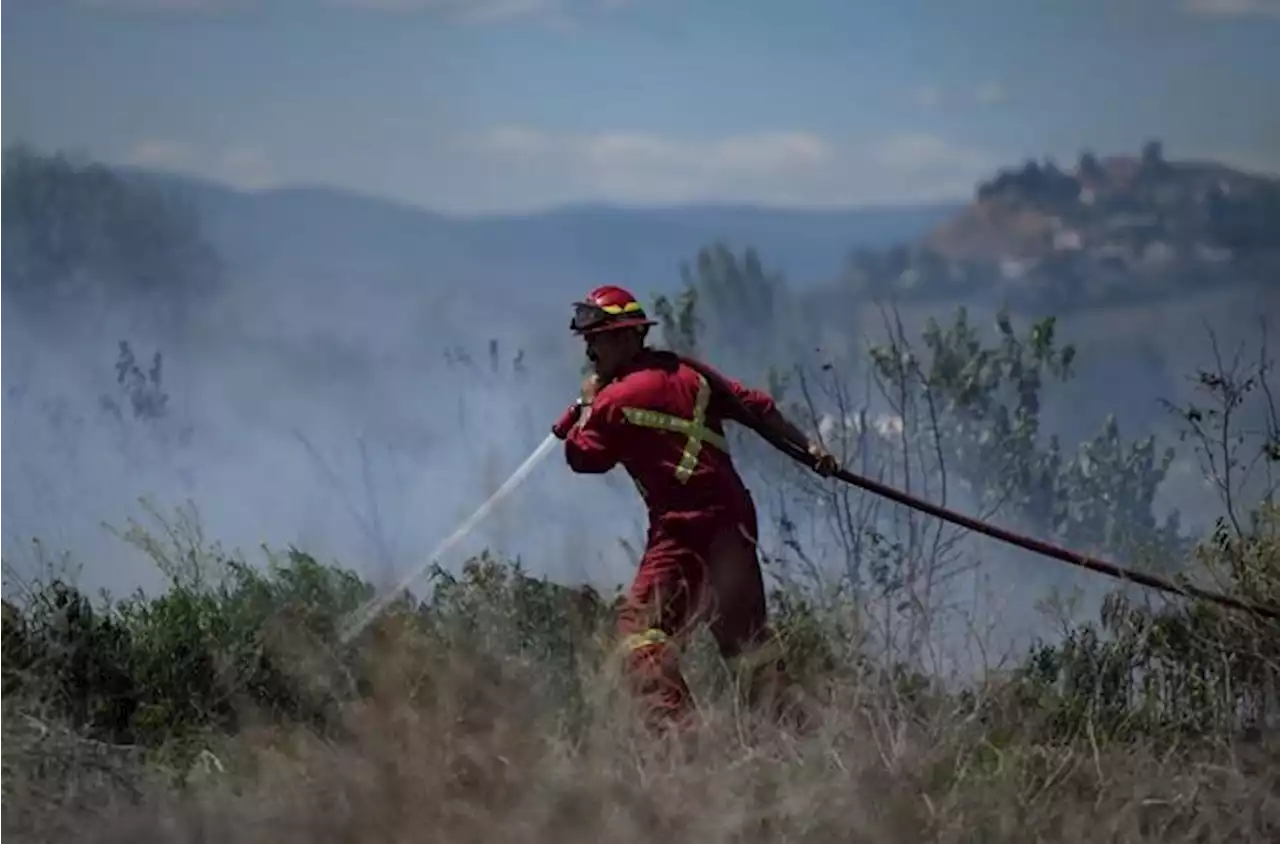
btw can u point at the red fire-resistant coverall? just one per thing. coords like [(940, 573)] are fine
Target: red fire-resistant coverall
[(661, 421)]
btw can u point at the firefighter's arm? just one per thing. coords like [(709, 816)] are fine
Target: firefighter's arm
[(763, 407), (785, 428), (824, 462), (590, 443), (759, 403)]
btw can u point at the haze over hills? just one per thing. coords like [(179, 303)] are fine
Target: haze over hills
[(555, 253), (1120, 227)]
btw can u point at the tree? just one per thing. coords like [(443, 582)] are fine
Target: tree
[(83, 236), (1153, 156), (1192, 667), (679, 320), (989, 399), (1090, 168), (741, 309)]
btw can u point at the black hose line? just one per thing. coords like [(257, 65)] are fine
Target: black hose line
[(800, 453)]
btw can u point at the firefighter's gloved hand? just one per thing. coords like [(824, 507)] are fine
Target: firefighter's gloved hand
[(590, 386), (566, 422), (824, 463)]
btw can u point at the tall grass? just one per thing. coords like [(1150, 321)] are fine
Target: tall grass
[(490, 709)]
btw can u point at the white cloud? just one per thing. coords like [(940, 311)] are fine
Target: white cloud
[(641, 166), (242, 166), (159, 153), (778, 167), (168, 6), (564, 13), (473, 11), (518, 168), (985, 94), (929, 96), (1257, 160), (920, 153), (484, 9), (1234, 8), (989, 93)]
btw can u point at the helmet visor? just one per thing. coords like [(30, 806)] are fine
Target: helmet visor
[(587, 316)]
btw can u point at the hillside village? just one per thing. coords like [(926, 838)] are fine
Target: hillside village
[(1111, 228)]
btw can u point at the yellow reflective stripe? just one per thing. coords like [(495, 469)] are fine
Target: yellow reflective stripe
[(695, 429), (693, 446), (620, 309), (652, 636)]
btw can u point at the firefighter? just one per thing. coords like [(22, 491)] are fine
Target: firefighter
[(661, 418)]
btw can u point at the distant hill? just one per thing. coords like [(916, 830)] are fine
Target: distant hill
[(1115, 229), (327, 234)]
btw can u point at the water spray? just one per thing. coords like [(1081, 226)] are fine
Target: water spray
[(371, 610)]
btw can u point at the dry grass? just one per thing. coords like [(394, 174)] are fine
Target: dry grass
[(468, 748)]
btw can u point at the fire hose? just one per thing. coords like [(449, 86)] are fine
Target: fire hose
[(800, 454)]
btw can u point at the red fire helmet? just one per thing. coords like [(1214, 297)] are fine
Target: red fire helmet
[(608, 308)]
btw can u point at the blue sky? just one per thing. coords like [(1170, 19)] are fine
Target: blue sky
[(494, 105)]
